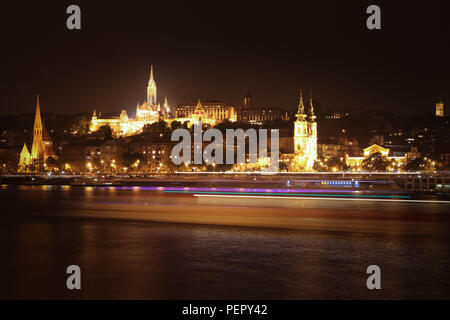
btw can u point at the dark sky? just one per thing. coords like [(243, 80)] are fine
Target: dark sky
[(218, 50)]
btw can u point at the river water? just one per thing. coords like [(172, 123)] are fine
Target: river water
[(126, 259)]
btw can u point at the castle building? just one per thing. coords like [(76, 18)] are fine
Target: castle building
[(211, 113), (41, 149)]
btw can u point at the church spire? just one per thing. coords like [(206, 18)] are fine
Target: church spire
[(151, 89), (311, 107), (37, 149), (37, 118), (301, 108)]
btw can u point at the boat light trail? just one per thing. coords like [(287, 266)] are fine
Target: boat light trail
[(315, 198), (286, 195), (250, 190)]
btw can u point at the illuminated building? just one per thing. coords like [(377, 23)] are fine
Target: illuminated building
[(210, 113), (355, 163), (214, 111), (219, 112), (440, 109), (305, 137), (25, 158), (148, 112), (41, 149)]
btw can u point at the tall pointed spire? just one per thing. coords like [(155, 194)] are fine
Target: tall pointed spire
[(37, 118), (151, 89), (301, 107), (311, 106), (37, 149)]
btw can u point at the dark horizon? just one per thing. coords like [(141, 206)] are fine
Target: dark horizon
[(221, 51)]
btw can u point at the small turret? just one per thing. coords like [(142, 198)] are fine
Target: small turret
[(247, 100)]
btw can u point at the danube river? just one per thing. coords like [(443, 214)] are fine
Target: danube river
[(184, 243)]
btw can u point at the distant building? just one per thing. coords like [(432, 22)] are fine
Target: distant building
[(331, 147), (156, 154), (413, 154), (104, 152), (328, 149), (337, 114), (73, 155), (440, 109), (260, 115), (377, 139)]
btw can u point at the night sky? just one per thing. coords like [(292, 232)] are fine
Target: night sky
[(220, 50)]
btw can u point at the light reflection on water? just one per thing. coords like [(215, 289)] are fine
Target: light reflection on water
[(125, 259)]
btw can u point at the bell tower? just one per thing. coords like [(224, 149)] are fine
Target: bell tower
[(312, 135), (300, 128)]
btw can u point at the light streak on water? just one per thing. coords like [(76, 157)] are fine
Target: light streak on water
[(291, 194), (315, 198)]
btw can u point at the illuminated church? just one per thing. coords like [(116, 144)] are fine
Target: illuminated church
[(305, 143), (41, 149), (148, 112), (151, 111), (305, 137)]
